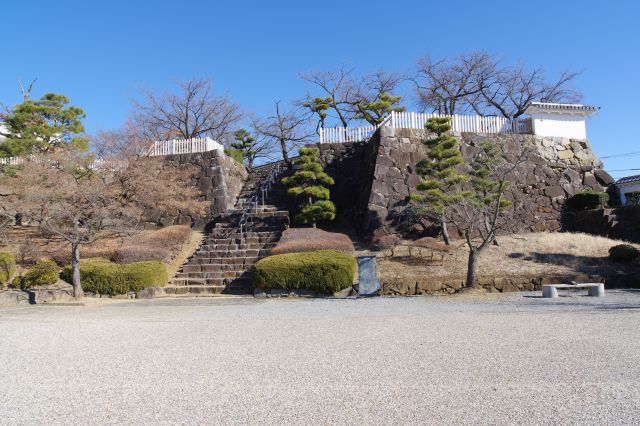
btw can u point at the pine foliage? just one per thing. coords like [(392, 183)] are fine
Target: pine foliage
[(311, 181), (442, 184)]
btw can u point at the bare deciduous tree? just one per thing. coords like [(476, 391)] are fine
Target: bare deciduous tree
[(478, 81), (193, 111), (510, 90), (485, 211), (68, 196), (337, 88), (447, 86), (288, 129)]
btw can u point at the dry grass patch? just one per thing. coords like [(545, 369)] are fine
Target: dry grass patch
[(296, 240), (535, 254)]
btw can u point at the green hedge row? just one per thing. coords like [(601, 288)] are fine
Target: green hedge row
[(105, 277), (44, 272), (7, 267), (324, 271)]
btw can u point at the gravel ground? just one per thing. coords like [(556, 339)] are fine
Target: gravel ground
[(494, 359)]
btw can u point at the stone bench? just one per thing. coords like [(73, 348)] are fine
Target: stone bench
[(551, 290)]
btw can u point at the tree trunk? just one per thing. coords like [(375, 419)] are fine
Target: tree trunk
[(75, 266), (445, 233), (471, 267), (285, 155)]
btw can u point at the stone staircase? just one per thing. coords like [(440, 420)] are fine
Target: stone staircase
[(223, 262)]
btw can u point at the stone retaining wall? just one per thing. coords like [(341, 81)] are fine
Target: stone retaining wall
[(491, 284), (556, 168), (219, 181), (620, 223)]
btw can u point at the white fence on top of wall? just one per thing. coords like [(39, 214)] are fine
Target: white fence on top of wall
[(170, 147), (184, 146), (415, 120)]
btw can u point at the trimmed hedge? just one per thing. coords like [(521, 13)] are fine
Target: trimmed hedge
[(7, 267), (624, 252), (44, 272), (102, 276), (324, 271), (588, 200)]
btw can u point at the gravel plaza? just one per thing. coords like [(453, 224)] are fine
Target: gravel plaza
[(487, 359)]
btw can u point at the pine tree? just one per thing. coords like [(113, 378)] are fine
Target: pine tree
[(319, 106), (442, 184), (42, 126), (374, 111), (311, 182), (244, 143)]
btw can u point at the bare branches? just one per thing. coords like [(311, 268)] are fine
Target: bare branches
[(194, 111), (448, 86), (68, 196), (338, 88), (478, 81), (26, 93), (289, 129), (349, 96)]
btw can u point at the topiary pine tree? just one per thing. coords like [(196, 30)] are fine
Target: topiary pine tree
[(311, 181), (375, 111), (244, 143), (319, 106), (442, 184)]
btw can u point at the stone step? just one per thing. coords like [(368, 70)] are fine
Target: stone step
[(198, 290), (215, 254), (193, 290), (217, 282), (222, 260), (230, 275), (207, 246)]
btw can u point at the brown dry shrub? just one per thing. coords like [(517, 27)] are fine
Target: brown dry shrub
[(136, 253), (433, 244), (387, 241), (295, 240), (162, 244)]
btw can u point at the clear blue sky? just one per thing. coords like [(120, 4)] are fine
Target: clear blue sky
[(101, 53)]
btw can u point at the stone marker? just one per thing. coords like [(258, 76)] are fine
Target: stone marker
[(369, 284)]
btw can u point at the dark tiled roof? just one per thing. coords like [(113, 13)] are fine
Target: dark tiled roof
[(629, 179), (573, 107)]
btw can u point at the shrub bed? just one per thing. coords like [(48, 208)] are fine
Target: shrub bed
[(44, 272), (588, 200), (105, 277), (624, 252), (295, 240), (324, 271), (7, 267)]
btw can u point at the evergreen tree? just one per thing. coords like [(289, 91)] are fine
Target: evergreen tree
[(43, 125), (442, 184), (245, 144), (374, 111), (319, 106), (311, 182)]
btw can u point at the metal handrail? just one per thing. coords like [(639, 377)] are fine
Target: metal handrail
[(265, 186)]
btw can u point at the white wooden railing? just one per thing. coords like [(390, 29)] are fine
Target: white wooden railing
[(170, 147), (415, 120), (184, 146)]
